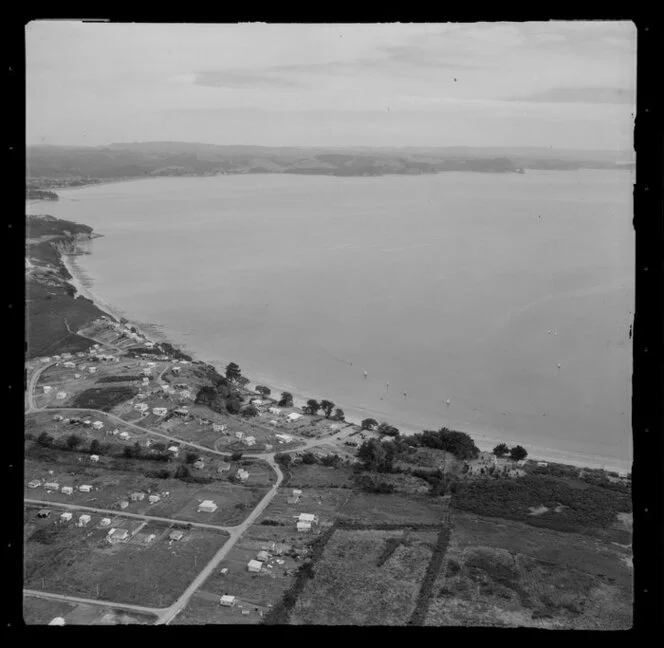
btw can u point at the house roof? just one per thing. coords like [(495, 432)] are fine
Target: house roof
[(257, 564), (307, 517)]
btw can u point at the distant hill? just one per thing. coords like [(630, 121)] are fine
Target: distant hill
[(146, 159)]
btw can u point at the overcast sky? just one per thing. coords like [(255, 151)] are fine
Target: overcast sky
[(567, 85)]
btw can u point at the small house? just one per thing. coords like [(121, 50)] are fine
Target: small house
[(199, 465), (52, 486), (268, 447), (176, 535), (307, 517), (146, 381), (304, 526), (105, 522), (57, 417), (159, 411), (84, 520), (176, 370), (250, 440), (239, 435), (61, 395), (262, 556), (223, 467), (294, 416), (69, 365), (66, 356), (118, 535), (138, 496), (94, 458), (56, 357), (284, 438), (123, 504), (97, 425), (85, 488), (257, 401), (67, 490), (65, 517), (141, 407), (153, 499), (542, 464), (227, 600), (77, 375), (92, 370), (43, 513), (274, 410), (124, 435), (218, 428), (181, 411), (45, 360), (174, 449), (274, 423), (35, 483), (48, 389), (207, 506), (242, 474), (146, 372), (254, 565)]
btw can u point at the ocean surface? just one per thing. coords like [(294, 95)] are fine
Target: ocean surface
[(466, 287)]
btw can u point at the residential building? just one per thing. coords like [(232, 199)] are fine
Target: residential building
[(61, 395), (35, 483), (52, 486), (43, 513), (176, 535), (254, 565), (118, 535), (85, 488), (307, 517), (138, 496), (67, 490), (141, 407), (94, 458), (207, 506), (66, 516), (47, 389), (84, 520), (153, 499), (97, 425), (199, 465), (123, 504), (92, 370), (242, 475), (227, 600), (124, 435), (105, 522), (274, 410), (304, 526), (262, 556), (159, 411), (294, 416)]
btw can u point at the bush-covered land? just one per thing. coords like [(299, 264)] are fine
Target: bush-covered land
[(104, 398)]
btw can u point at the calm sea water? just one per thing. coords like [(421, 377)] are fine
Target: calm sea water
[(444, 286)]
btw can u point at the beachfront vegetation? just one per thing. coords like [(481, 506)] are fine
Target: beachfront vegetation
[(286, 399), (501, 450), (384, 429), (458, 443), (327, 407), (233, 372), (368, 424), (250, 411), (338, 415), (233, 405), (312, 406), (263, 391), (518, 453)]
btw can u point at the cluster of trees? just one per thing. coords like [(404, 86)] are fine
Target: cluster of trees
[(517, 453), (73, 442), (459, 444), (384, 429), (313, 406), (286, 399), (379, 456)]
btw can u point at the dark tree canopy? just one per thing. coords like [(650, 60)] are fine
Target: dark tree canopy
[(233, 371), (250, 411), (369, 424), (95, 446), (45, 439), (309, 458), (501, 450), (286, 399), (339, 415), (327, 406), (384, 429), (74, 441), (517, 453), (233, 405), (191, 457), (263, 391), (458, 443), (312, 406), (283, 459), (236, 456)]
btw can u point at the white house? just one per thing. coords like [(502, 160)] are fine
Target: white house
[(268, 447), (45, 360), (83, 520), (542, 464), (69, 365), (97, 425), (199, 464), (105, 522), (254, 565), (227, 600), (242, 475), (307, 517), (153, 499), (123, 504), (218, 428), (77, 375), (56, 357), (176, 535), (118, 535), (61, 395), (67, 490), (294, 416), (274, 423), (262, 556), (94, 458), (274, 410), (138, 496), (304, 526), (92, 370), (239, 435), (35, 483), (185, 393), (66, 516), (257, 401), (85, 488), (66, 355), (208, 506), (250, 440), (174, 449), (124, 435), (48, 389), (176, 370), (52, 486), (146, 372), (159, 411), (141, 407), (297, 492), (284, 438), (146, 381)]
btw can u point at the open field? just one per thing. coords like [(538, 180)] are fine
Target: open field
[(366, 577), (39, 611), (507, 573), (66, 559), (317, 476), (374, 509)]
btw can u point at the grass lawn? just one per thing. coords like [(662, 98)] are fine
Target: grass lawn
[(394, 508), (366, 578), (66, 559), (506, 573), (317, 476), (39, 611)]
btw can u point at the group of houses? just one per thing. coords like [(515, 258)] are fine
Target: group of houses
[(55, 487), (83, 519)]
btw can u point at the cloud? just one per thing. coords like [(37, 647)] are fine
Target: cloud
[(580, 95)]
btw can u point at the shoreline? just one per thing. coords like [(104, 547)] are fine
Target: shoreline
[(484, 440)]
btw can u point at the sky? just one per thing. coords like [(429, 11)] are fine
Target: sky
[(552, 84)]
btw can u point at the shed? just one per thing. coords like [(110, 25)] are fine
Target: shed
[(52, 486), (176, 535), (83, 520), (97, 425), (262, 556), (105, 522), (227, 600), (153, 499), (304, 526), (67, 490), (94, 458), (207, 506), (43, 513), (85, 488), (542, 464), (254, 565), (35, 483), (137, 496)]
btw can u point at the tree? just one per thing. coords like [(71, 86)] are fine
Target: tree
[(243, 381), (45, 440), (369, 424), (236, 456), (233, 405), (327, 407), (73, 441), (375, 456), (330, 460), (159, 447), (339, 414), (501, 450), (233, 372), (138, 451), (312, 406), (518, 453), (182, 472), (283, 459), (95, 446), (286, 399), (128, 452), (250, 411), (191, 457), (458, 443), (384, 429), (309, 458), (263, 391)]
